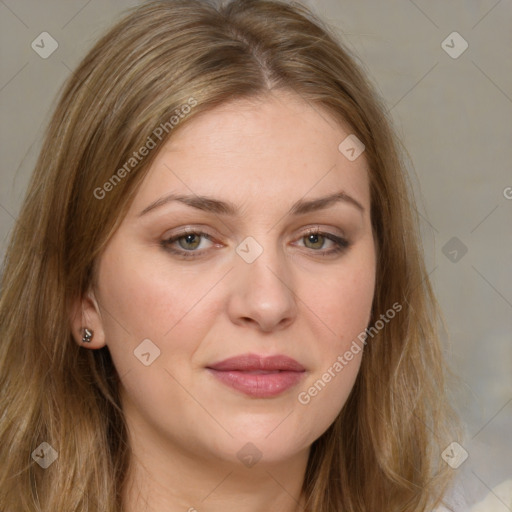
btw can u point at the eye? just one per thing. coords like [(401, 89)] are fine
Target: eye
[(187, 243), (315, 240)]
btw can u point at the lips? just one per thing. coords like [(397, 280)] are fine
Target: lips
[(258, 376), (253, 362)]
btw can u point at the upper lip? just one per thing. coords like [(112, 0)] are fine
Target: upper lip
[(253, 362)]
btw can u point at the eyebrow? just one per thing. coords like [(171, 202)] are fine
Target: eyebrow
[(212, 205)]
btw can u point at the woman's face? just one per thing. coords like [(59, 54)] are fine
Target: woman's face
[(233, 269)]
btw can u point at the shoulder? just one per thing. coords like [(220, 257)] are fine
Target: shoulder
[(501, 493), (456, 502)]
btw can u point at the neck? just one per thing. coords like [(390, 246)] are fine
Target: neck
[(163, 477)]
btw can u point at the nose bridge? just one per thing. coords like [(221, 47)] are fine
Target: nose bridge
[(262, 257)]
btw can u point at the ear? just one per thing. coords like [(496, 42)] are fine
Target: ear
[(85, 313)]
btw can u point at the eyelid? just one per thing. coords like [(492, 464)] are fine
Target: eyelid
[(327, 231)]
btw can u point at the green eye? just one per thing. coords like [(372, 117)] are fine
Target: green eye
[(191, 240), (185, 244), (188, 242), (316, 240)]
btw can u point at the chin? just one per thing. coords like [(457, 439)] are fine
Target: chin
[(269, 445)]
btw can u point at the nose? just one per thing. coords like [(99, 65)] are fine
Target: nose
[(262, 292)]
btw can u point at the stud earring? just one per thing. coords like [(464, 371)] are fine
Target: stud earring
[(87, 335)]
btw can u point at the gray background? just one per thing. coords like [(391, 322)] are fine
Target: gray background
[(454, 116)]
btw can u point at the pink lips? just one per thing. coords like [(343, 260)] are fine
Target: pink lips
[(258, 376)]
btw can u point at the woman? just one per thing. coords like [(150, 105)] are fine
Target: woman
[(214, 296)]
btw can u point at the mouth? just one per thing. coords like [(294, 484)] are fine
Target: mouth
[(258, 376)]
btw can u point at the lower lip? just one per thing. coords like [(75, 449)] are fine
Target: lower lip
[(259, 385)]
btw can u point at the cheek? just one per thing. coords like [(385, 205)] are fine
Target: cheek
[(342, 300), (354, 297), (146, 300), (343, 308), (145, 297), (150, 299)]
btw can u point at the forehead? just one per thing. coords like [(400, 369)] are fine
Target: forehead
[(277, 148)]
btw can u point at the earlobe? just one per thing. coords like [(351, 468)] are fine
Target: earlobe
[(87, 335), (86, 322)]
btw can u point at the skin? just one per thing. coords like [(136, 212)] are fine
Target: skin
[(185, 426)]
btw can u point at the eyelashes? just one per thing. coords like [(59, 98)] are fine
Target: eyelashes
[(193, 238)]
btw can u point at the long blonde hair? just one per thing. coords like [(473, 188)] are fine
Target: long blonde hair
[(383, 450)]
